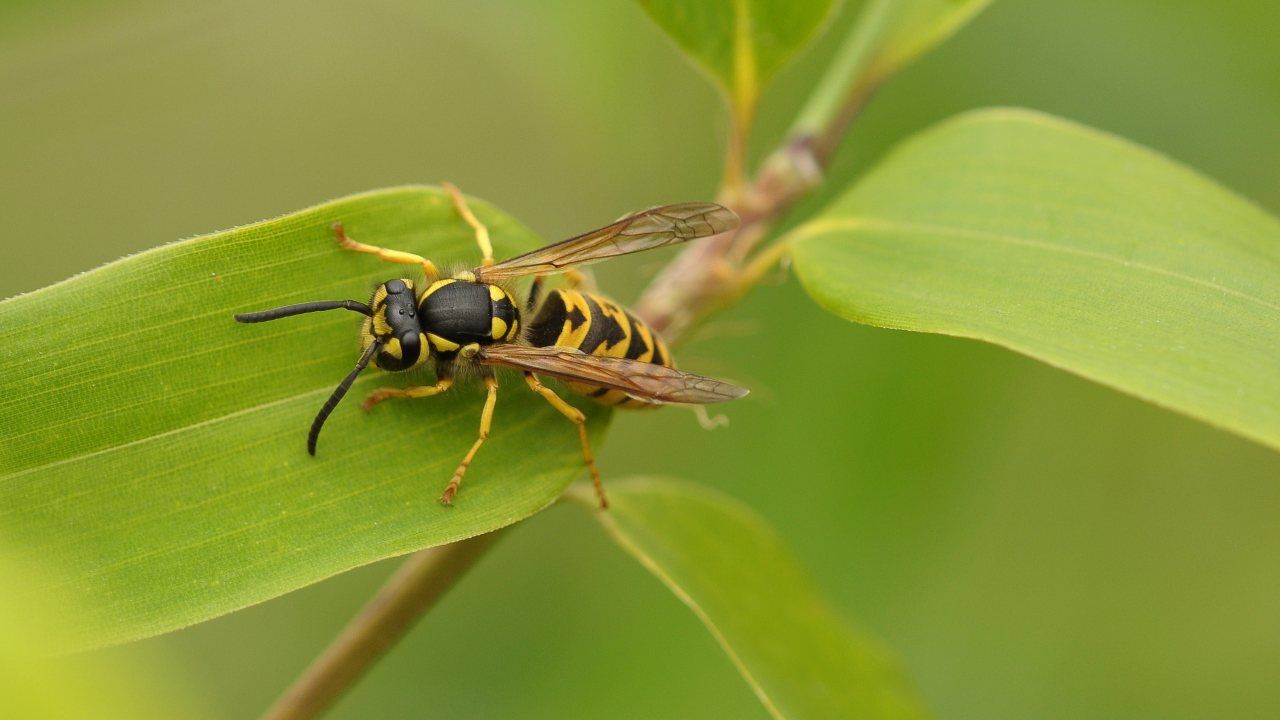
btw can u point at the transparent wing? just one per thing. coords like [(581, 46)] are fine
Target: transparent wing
[(666, 225), (641, 380)]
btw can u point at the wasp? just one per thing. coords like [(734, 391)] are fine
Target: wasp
[(472, 321)]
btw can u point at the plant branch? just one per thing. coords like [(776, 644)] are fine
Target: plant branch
[(414, 589), (715, 272)]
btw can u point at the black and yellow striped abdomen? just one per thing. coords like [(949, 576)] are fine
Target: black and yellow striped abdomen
[(596, 326)]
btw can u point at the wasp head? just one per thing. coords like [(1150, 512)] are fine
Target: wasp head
[(394, 325)]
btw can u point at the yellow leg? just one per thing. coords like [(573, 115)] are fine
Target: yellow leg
[(417, 391), (482, 232), (395, 256), (706, 420), (486, 419), (577, 278), (575, 415)]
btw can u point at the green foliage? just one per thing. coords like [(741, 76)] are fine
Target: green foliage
[(38, 687), (735, 573), (889, 35), (1069, 245), (741, 43), (155, 449)]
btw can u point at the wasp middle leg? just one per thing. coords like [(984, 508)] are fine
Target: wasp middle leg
[(486, 420)]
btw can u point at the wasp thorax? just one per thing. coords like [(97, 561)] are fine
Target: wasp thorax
[(458, 311), (394, 323)]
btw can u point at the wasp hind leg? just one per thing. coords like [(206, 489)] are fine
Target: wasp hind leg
[(486, 419), (577, 418), (482, 232), (395, 256), (574, 279)]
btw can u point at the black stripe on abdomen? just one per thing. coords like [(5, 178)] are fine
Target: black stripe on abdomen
[(545, 327), (604, 328)]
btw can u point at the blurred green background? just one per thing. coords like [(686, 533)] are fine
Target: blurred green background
[(1031, 544)]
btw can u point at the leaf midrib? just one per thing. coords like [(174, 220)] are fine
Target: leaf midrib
[(817, 227)]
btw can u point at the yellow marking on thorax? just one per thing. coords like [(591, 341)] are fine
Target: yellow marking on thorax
[(436, 286), (465, 276), (440, 344), (496, 293), (498, 328)]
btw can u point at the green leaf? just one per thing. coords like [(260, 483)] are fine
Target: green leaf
[(719, 558), (741, 43), (1072, 246), (155, 449), (888, 35)]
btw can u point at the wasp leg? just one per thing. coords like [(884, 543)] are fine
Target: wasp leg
[(486, 419), (482, 232), (707, 420), (417, 391), (574, 279), (535, 293), (395, 256), (577, 418)]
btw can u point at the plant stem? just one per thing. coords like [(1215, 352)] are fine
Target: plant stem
[(411, 592), (715, 271)]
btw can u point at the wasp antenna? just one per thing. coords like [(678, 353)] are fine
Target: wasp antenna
[(338, 392), (299, 309)]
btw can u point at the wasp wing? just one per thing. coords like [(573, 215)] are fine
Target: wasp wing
[(647, 229), (641, 380)]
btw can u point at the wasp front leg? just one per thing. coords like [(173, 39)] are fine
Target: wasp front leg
[(395, 256), (444, 382)]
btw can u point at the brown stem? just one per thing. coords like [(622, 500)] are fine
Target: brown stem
[(710, 272), (412, 591)]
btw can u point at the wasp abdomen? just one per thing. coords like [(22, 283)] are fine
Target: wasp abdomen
[(596, 326)]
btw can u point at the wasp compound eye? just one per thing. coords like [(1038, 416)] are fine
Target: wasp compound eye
[(410, 347)]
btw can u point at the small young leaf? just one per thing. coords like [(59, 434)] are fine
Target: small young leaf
[(741, 43), (888, 35), (1072, 246), (721, 559), (155, 449)]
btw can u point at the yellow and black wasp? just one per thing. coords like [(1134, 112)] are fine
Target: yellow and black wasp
[(473, 319)]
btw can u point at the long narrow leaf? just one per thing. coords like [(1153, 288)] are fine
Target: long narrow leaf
[(799, 656), (1069, 245), (155, 449)]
